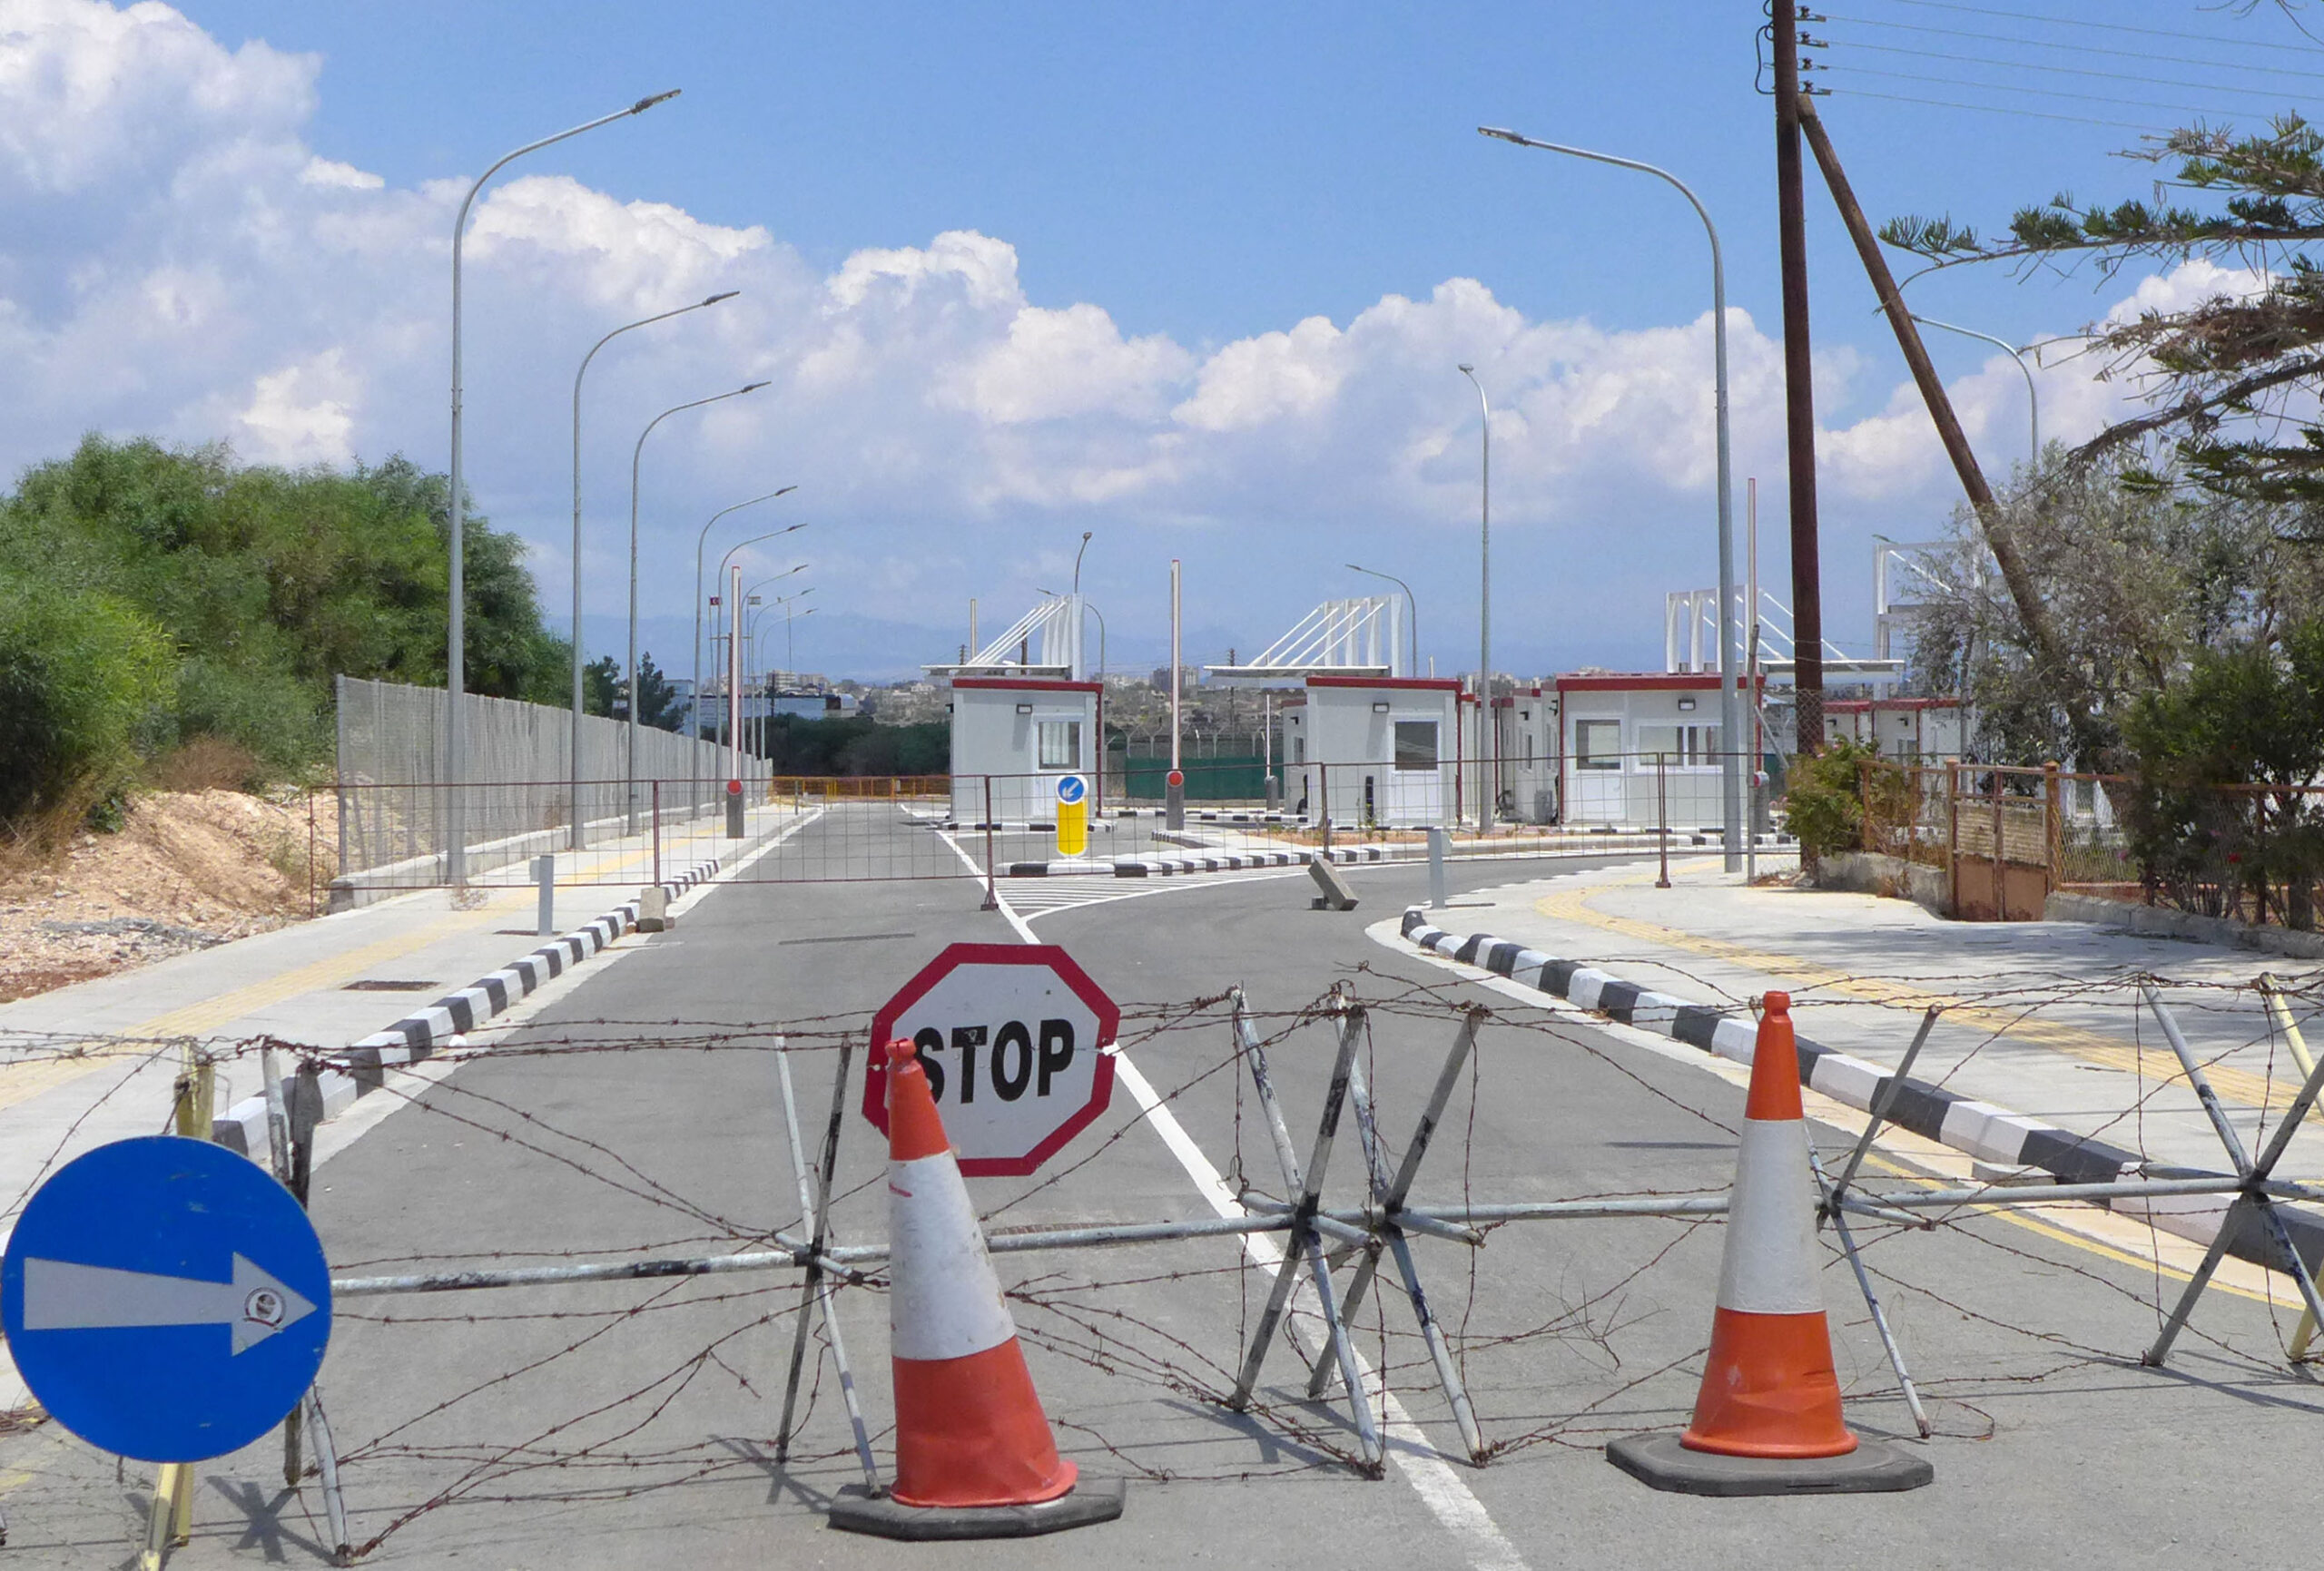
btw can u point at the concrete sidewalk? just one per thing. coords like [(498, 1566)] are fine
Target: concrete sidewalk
[(2042, 1018), (95, 1062)]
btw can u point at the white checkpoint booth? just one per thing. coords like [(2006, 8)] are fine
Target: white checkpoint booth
[(1614, 727), (1016, 735), (1387, 750)]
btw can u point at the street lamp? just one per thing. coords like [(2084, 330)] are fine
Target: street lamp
[(2033, 398), (1412, 604), (1485, 612), (1076, 560), (637, 455), (1731, 653), (456, 641), (693, 725), (601, 343)]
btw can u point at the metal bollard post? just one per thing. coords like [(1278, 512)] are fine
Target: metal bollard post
[(545, 875), (1662, 821), (1436, 839), (991, 893)]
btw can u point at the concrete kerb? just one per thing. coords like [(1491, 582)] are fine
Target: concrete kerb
[(1982, 1130), (361, 1068)]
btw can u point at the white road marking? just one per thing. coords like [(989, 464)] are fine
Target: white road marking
[(1455, 1508)]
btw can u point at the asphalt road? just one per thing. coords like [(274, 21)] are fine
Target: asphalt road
[(622, 1424)]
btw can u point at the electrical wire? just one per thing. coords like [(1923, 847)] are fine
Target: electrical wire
[(1997, 109), (2107, 27), (2077, 47), (2273, 93), (2038, 92)]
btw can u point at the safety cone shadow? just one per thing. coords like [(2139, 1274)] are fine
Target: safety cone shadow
[(974, 1455), (1768, 1417)]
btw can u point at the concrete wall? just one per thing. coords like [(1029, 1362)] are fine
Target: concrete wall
[(2168, 924), (1870, 873)]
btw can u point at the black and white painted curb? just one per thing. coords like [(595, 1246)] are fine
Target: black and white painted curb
[(1980, 1129), (411, 1039), (1196, 862)]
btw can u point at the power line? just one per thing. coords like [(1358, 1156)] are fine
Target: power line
[(2271, 93), (2038, 92), (2105, 26), (1999, 109), (2077, 48)]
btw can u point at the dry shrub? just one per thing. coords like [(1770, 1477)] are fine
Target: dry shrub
[(208, 763)]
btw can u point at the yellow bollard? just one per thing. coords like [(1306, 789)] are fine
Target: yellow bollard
[(194, 1106)]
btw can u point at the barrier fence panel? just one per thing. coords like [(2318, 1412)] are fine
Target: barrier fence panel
[(1360, 1137), (839, 828)]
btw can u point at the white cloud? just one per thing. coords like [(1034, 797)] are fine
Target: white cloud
[(301, 414), (186, 265)]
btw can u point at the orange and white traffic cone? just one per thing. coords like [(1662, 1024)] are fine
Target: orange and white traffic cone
[(1768, 1388), (1768, 1416), (974, 1454)]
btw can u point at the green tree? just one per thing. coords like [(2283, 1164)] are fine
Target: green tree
[(601, 686), (2250, 715), (659, 704), (268, 582), (82, 676), (2137, 577)]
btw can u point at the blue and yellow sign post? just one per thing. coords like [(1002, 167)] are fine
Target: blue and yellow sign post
[(1072, 815)]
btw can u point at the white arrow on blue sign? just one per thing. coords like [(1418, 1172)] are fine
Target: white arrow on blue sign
[(165, 1299), (1071, 788)]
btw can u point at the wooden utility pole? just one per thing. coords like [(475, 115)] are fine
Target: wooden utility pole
[(1799, 396), (2023, 592)]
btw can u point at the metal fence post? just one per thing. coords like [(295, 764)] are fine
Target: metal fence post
[(2053, 800), (1324, 797), (2001, 883), (1661, 821), (991, 890), (1436, 838)]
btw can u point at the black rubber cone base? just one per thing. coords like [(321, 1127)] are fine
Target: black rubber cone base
[(1873, 1468), (1091, 1500)]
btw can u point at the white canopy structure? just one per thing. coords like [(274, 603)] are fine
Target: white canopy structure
[(1045, 642), (1690, 642), (1363, 637)]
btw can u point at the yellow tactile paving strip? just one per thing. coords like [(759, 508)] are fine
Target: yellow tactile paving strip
[(2156, 1064)]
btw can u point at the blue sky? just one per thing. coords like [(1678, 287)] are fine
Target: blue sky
[(1198, 181)]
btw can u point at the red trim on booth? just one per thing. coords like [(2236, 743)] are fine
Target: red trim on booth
[(1028, 683), (1402, 684)]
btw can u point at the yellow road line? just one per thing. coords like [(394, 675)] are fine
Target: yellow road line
[(2241, 1086)]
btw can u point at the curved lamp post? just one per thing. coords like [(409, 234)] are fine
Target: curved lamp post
[(456, 643), (2033, 398), (1489, 782), (1411, 603), (694, 724), (1730, 649), (637, 455), (577, 838)]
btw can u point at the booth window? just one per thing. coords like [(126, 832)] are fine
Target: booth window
[(1598, 744), (1681, 746), (1416, 744), (1060, 744)]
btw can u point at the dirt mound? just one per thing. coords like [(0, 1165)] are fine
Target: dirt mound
[(187, 870)]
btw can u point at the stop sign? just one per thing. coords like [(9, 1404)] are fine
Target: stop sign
[(1009, 1036)]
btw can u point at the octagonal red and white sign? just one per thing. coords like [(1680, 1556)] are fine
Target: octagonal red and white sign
[(1008, 1035)]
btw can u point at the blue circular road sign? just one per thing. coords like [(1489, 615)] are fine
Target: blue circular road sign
[(165, 1299), (1071, 788)]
